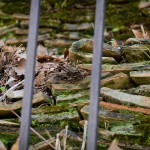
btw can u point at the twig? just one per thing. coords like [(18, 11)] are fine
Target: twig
[(144, 51), (63, 4), (48, 134), (143, 31), (84, 135), (34, 131), (65, 138), (57, 146), (11, 89)]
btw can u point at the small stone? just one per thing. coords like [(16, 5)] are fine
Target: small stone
[(25, 40), (118, 81), (143, 90), (76, 27), (132, 41), (109, 51), (109, 115), (72, 97), (115, 96), (74, 35), (19, 31), (20, 16), (108, 60), (81, 57), (140, 77), (126, 130), (125, 68), (44, 118), (38, 99), (57, 43), (136, 53), (60, 88)]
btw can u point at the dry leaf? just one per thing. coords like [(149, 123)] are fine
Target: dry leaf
[(39, 80), (20, 69), (41, 51), (137, 33), (145, 34), (20, 56), (10, 81), (38, 66)]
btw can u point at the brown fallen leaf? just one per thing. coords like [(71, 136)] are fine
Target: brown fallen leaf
[(137, 33), (10, 81), (20, 68), (39, 80), (41, 51), (38, 66), (140, 31)]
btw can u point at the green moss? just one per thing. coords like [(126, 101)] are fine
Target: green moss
[(122, 16), (110, 123), (73, 126), (146, 62), (102, 146), (8, 138), (50, 23), (16, 7), (7, 22), (144, 128), (49, 109), (66, 92), (74, 101), (72, 144), (34, 139), (128, 112)]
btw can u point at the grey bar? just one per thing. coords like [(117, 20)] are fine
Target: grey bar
[(29, 75), (96, 75)]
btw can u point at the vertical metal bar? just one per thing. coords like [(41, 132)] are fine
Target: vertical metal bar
[(96, 75), (29, 75)]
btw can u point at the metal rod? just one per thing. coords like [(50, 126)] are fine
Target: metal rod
[(96, 75), (29, 75)]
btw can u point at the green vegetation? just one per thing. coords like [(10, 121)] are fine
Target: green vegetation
[(120, 18), (8, 138), (16, 6)]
